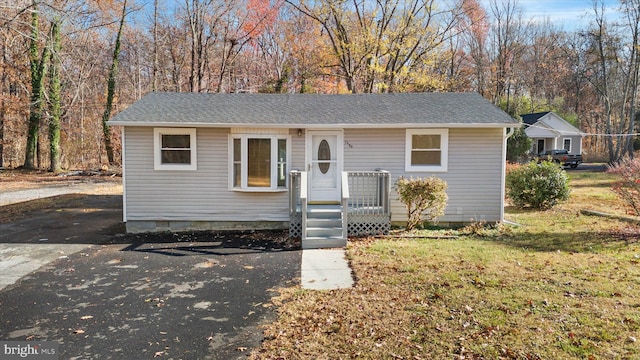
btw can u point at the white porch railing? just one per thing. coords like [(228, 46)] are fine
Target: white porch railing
[(365, 197), (345, 204)]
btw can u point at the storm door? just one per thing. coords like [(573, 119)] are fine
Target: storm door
[(324, 164)]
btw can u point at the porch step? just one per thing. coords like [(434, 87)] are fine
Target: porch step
[(324, 223), (324, 227), (323, 243), (324, 232), (324, 212)]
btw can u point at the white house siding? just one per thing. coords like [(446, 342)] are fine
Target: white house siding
[(473, 176), (195, 196), (576, 143)]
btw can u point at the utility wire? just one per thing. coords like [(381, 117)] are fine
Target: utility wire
[(580, 133)]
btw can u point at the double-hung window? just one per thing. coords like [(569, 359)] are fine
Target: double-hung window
[(426, 150), (174, 149), (259, 162)]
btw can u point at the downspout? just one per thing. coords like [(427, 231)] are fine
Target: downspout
[(124, 177), (508, 132)]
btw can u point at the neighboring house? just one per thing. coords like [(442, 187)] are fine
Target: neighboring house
[(321, 165), (548, 131)]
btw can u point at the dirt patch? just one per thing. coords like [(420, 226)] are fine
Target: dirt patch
[(18, 179)]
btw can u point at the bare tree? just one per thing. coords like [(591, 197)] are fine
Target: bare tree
[(54, 98), (111, 87), (631, 27), (380, 46), (508, 44)]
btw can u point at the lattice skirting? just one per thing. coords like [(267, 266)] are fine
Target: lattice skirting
[(358, 225), (362, 225), (295, 226)]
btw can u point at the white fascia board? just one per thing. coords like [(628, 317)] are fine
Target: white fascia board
[(313, 126)]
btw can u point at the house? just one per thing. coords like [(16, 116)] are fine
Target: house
[(549, 132), (321, 165)]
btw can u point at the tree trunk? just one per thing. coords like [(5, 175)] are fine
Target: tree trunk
[(38, 69), (111, 88), (54, 99), (154, 82)]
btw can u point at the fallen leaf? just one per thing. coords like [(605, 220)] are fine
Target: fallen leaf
[(78, 331), (158, 354), (241, 349)]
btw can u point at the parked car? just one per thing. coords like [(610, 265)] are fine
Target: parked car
[(562, 157)]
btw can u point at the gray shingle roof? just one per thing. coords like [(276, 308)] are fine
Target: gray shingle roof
[(306, 110), (531, 119)]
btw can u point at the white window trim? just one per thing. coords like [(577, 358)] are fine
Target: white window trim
[(570, 143), (245, 166), (444, 150), (157, 149)]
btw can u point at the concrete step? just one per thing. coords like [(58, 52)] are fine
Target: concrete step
[(324, 232), (324, 223), (323, 243)]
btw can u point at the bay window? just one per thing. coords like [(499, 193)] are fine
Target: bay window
[(259, 162)]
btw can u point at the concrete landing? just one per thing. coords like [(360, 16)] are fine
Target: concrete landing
[(325, 269)]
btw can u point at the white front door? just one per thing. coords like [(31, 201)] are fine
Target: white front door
[(324, 164)]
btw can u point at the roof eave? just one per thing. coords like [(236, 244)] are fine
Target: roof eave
[(314, 126)]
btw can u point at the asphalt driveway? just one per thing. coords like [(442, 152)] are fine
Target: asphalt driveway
[(106, 295)]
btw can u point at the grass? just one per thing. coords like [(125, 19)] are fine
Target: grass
[(559, 286)]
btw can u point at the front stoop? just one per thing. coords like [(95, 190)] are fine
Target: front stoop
[(324, 227)]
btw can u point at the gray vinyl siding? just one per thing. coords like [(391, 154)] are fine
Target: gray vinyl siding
[(576, 142), (201, 195), (473, 176)]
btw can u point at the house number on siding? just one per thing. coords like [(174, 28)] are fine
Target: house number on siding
[(346, 143)]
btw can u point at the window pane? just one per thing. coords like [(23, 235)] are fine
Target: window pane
[(259, 162), (237, 165), (176, 141), (176, 156), (425, 158), (282, 163), (237, 175), (237, 150), (426, 142)]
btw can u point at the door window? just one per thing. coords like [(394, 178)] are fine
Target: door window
[(324, 156)]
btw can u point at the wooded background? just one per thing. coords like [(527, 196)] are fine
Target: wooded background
[(68, 65)]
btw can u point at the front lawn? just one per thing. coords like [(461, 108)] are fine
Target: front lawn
[(560, 286)]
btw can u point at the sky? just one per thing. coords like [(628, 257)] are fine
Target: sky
[(566, 14)]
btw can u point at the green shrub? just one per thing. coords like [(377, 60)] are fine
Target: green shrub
[(537, 185), (425, 199)]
